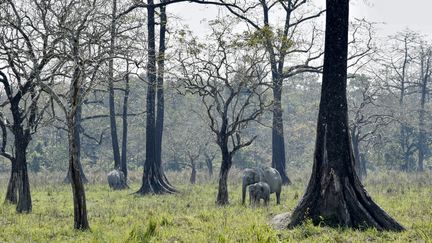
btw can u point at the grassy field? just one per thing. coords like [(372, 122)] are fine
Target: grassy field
[(192, 216)]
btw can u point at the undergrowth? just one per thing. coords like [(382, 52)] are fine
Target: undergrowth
[(192, 216)]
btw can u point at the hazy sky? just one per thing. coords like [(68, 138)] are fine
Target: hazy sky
[(395, 15)]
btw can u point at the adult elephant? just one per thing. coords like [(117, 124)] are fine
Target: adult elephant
[(268, 175)]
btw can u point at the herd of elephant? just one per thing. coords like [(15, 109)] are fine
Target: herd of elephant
[(262, 181)]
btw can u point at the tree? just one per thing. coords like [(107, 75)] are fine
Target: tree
[(367, 117), (425, 56), (82, 54), (398, 64), (281, 43), (28, 63), (335, 195), (229, 77), (154, 179), (113, 124)]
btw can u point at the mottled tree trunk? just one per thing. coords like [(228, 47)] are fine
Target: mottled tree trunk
[(222, 196), (335, 195), (80, 209), (278, 141), (19, 183), (12, 189), (24, 204), (77, 131), (73, 122)]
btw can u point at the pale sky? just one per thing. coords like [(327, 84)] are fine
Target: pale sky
[(396, 15)]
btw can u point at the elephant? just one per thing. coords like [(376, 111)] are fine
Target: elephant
[(117, 180), (258, 191), (268, 175)]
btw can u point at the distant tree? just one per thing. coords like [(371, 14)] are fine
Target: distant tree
[(367, 117), (398, 65), (335, 195), (229, 77), (425, 56)]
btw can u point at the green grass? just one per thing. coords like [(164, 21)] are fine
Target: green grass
[(192, 216)]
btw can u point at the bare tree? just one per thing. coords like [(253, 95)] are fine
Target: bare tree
[(282, 43), (425, 56), (27, 62), (398, 64), (83, 53), (367, 117), (231, 81)]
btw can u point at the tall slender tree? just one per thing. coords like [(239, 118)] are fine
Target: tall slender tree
[(154, 179)]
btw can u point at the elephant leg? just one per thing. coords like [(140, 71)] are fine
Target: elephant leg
[(278, 197), (244, 185)]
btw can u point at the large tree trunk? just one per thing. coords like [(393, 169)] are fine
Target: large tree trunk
[(154, 180), (278, 141), (335, 195), (22, 137), (24, 204), (113, 124), (12, 189), (222, 196)]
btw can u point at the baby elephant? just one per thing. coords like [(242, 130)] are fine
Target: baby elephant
[(258, 191)]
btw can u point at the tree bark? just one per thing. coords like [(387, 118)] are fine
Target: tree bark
[(12, 189), (24, 204), (277, 66), (113, 124), (356, 151), (209, 163), (80, 208), (154, 180), (278, 141), (19, 168), (222, 196), (335, 195), (192, 179), (125, 125), (73, 123), (77, 131)]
